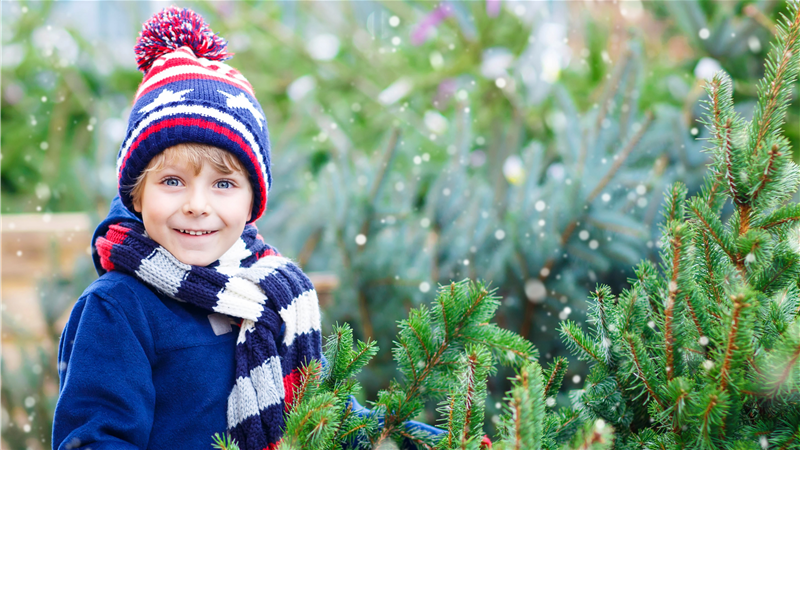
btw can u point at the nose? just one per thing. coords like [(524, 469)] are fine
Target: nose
[(196, 203)]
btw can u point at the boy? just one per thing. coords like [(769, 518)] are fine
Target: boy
[(149, 357)]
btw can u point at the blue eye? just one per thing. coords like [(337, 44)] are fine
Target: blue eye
[(172, 181), (225, 185)]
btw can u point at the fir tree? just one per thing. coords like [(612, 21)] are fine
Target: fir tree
[(321, 418), (704, 351), (445, 354)]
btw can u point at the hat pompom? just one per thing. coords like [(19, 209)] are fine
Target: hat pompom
[(173, 28)]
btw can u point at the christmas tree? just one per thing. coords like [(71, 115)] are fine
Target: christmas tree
[(445, 354), (703, 351)]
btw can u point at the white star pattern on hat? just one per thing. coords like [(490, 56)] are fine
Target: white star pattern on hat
[(241, 101), (166, 97)]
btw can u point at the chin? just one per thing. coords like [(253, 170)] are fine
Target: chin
[(196, 259)]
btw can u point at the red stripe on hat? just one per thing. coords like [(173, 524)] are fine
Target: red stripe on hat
[(216, 128), (176, 61), (245, 87)]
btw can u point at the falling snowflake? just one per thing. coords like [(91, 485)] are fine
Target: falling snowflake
[(514, 170), (535, 290), (323, 47)]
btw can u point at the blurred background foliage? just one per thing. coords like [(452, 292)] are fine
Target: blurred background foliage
[(527, 144)]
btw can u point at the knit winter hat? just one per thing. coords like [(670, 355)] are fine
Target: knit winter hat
[(189, 95)]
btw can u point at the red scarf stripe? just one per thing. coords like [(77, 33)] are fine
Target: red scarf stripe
[(290, 382), (197, 122), (117, 234)]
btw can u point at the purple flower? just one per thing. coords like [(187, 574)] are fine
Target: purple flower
[(446, 90), (433, 18), (492, 8)]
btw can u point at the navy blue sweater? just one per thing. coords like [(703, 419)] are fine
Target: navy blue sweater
[(140, 370)]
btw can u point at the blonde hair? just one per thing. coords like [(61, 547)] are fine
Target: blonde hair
[(195, 155)]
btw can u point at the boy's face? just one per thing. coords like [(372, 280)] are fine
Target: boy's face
[(196, 217)]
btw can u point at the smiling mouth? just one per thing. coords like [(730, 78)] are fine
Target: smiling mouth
[(194, 232)]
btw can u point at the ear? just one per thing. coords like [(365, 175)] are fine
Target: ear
[(137, 204), (252, 202)]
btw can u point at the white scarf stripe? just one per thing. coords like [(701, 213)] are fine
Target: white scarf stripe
[(233, 257), (163, 271), (251, 395), (301, 316), (241, 298), (265, 267)]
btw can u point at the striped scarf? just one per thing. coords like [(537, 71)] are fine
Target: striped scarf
[(253, 282)]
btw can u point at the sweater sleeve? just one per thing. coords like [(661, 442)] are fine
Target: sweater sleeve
[(107, 396)]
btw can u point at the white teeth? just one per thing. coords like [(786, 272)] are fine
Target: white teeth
[(193, 232)]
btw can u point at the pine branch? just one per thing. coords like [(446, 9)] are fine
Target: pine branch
[(780, 368), (554, 376), (714, 228), (575, 339), (780, 217), (418, 441), (729, 165), (778, 80), (451, 331), (308, 384), (638, 355), (738, 306), (523, 423), (224, 442), (709, 264), (676, 240), (469, 395), (766, 176), (693, 315), (566, 234)]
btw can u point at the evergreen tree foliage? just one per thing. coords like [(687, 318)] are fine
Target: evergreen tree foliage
[(445, 352), (704, 351), (224, 442), (581, 208), (321, 418)]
